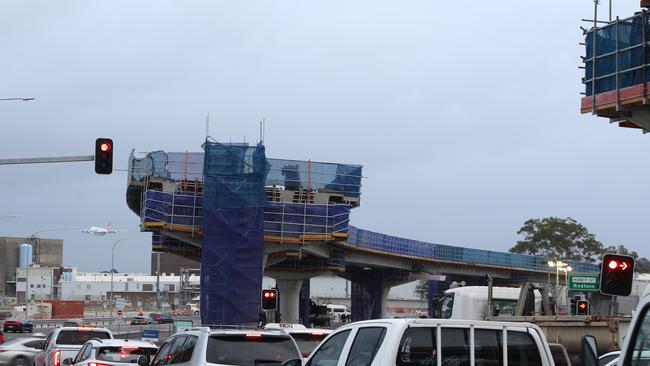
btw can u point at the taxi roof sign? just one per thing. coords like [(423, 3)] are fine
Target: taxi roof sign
[(285, 326)]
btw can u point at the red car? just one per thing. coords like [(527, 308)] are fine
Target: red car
[(2, 337), (17, 325)]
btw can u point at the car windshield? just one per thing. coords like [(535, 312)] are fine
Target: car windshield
[(250, 350), (307, 341), (123, 354), (14, 320), (79, 337)]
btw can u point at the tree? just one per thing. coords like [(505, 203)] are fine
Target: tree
[(557, 238)]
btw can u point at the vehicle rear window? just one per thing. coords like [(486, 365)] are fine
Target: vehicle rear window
[(307, 341), (558, 356), (123, 354), (79, 337), (250, 350), (522, 350)]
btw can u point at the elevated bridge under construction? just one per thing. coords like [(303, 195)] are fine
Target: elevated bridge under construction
[(244, 216)]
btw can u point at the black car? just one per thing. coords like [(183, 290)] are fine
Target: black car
[(161, 318), (17, 325), (141, 320)]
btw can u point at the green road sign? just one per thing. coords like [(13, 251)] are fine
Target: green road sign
[(584, 282)]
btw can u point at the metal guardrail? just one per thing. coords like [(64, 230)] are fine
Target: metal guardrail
[(104, 321)]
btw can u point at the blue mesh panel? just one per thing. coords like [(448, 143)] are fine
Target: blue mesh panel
[(291, 174), (233, 233), (415, 248), (630, 33)]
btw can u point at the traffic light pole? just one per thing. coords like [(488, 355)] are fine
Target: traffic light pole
[(47, 160)]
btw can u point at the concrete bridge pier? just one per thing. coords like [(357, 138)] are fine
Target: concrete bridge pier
[(370, 288), (289, 286)]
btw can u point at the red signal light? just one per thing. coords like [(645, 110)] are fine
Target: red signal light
[(582, 306), (105, 147), (612, 264), (269, 299)]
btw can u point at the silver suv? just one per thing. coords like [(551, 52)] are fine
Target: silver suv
[(65, 342), (107, 352), (202, 345)]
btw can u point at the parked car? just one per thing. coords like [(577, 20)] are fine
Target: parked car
[(66, 342), (141, 320), (200, 345), (20, 351), (417, 342), (111, 351), (17, 325), (73, 323), (161, 318)]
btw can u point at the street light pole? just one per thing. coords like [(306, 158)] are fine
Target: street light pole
[(110, 301), (24, 99)]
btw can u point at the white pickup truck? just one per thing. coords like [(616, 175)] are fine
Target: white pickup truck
[(636, 346), (65, 342), (429, 342)]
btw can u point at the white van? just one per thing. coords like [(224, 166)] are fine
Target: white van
[(335, 312)]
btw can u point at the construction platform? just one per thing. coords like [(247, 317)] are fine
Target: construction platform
[(617, 79)]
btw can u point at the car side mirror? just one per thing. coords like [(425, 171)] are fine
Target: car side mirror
[(67, 361), (589, 351), (292, 362), (143, 360)]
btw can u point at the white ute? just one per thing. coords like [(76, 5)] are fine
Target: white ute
[(428, 342), (636, 346)]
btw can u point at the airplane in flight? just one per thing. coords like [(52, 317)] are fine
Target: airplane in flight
[(101, 231)]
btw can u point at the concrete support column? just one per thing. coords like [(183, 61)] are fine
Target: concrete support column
[(289, 299), (305, 302), (370, 288)]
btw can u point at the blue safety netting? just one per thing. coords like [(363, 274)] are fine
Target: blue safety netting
[(295, 174), (622, 42), (291, 174), (408, 247), (283, 220), (233, 233), (296, 219)]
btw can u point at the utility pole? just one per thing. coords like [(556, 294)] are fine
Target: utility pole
[(158, 281)]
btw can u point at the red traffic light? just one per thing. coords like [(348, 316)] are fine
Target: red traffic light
[(269, 299), (582, 306), (616, 275), (612, 264), (103, 156)]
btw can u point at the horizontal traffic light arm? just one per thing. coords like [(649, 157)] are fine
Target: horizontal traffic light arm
[(47, 160)]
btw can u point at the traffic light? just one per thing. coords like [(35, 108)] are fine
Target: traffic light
[(616, 274), (582, 308), (103, 156), (269, 299), (574, 301)]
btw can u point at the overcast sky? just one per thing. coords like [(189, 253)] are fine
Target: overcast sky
[(465, 115)]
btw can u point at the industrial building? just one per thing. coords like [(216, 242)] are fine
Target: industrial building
[(44, 253)]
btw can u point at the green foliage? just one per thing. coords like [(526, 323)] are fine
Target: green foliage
[(558, 238)]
